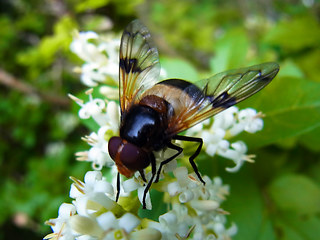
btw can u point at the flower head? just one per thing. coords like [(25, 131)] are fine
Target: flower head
[(100, 56)]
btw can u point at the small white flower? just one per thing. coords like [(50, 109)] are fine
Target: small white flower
[(187, 185), (60, 225), (107, 221), (137, 183), (162, 156), (248, 120), (110, 92), (251, 119), (91, 73), (214, 141), (93, 183), (86, 50), (226, 119), (111, 47), (129, 222), (99, 158), (94, 108), (237, 154), (98, 153), (100, 56), (226, 125), (105, 226), (86, 226), (173, 223), (105, 114), (147, 233)]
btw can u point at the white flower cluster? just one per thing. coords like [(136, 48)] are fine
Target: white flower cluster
[(100, 56), (197, 213), (93, 214), (195, 209), (226, 125)]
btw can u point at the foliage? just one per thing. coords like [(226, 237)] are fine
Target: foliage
[(276, 198)]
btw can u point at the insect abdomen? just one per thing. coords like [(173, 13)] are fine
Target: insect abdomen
[(186, 87)]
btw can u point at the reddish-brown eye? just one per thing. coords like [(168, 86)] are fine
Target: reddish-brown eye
[(113, 146), (133, 157)]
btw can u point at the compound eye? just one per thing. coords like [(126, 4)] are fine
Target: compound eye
[(113, 146), (133, 157)]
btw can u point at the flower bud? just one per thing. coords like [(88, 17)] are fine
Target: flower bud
[(146, 234), (85, 225)]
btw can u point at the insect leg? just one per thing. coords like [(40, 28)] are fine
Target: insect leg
[(196, 153), (118, 187), (142, 175), (172, 146), (153, 170)]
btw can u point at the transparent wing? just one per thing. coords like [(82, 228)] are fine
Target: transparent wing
[(139, 64), (208, 97)]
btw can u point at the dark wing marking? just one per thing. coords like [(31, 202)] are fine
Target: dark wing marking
[(218, 93), (139, 64)]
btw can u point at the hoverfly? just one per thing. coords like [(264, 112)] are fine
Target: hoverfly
[(153, 112)]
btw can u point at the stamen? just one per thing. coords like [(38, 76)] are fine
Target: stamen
[(77, 100), (78, 184), (90, 140), (89, 91), (221, 211), (249, 158), (259, 115), (81, 156), (77, 70)]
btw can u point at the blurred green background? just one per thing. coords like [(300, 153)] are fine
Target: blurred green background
[(278, 197)]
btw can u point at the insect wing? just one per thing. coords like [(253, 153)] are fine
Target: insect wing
[(139, 64), (210, 96)]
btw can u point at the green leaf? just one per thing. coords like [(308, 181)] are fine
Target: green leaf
[(314, 172), (44, 53), (295, 34), (90, 5), (246, 206), (7, 34), (290, 69), (230, 51), (309, 63), (311, 139), (292, 108), (177, 68), (295, 227), (295, 193), (285, 232), (266, 231)]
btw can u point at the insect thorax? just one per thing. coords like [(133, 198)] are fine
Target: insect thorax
[(144, 127)]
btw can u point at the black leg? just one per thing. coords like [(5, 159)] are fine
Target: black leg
[(153, 170), (118, 187), (196, 153), (142, 175), (172, 146)]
